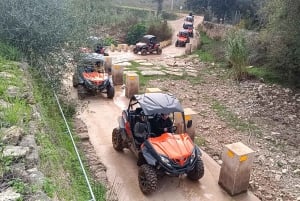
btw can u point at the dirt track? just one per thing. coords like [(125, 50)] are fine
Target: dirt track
[(100, 116)]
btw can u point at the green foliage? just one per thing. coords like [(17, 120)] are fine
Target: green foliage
[(168, 15), (48, 187), (57, 155), (35, 25), (237, 54), (18, 185), (211, 50), (8, 52), (161, 30), (267, 74), (135, 33), (282, 34)]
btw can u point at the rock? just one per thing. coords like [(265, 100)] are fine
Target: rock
[(18, 170), (39, 196), (277, 177), (6, 75), (32, 159), (284, 171), (12, 135), (297, 171), (35, 177), (28, 141), (12, 91), (220, 162), (15, 151), (4, 104), (9, 195), (269, 197)]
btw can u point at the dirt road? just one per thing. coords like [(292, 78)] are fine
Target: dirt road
[(100, 116)]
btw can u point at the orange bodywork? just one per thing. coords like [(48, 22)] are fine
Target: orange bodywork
[(177, 147), (95, 77)]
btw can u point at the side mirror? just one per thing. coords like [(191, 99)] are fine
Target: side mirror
[(189, 123)]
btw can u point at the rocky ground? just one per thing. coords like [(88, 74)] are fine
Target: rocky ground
[(264, 117)]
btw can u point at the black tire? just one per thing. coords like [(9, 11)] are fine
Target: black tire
[(75, 80), (81, 92), (198, 171), (135, 50), (159, 51), (117, 140), (147, 179), (110, 92), (176, 44), (144, 52)]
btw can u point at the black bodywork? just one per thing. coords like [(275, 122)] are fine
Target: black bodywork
[(148, 45), (189, 27)]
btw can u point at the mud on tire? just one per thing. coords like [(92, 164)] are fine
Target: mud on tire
[(117, 140), (198, 171), (147, 179)]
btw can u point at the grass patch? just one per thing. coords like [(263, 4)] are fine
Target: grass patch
[(8, 52), (211, 50), (266, 74), (233, 120), (57, 155)]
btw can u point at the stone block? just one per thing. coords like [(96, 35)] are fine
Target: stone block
[(132, 84), (188, 114), (153, 90), (188, 48), (236, 168), (117, 74)]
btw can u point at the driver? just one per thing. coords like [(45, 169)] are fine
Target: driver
[(164, 124)]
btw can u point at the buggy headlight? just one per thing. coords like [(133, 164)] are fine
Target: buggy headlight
[(165, 161), (193, 156)]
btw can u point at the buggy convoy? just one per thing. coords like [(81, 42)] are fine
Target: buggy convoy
[(90, 76), (157, 155), (148, 45)]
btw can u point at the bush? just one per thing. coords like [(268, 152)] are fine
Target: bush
[(135, 33), (161, 30), (236, 53)]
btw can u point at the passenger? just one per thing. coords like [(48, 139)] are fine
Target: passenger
[(141, 129)]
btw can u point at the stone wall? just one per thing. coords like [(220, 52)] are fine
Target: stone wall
[(215, 31)]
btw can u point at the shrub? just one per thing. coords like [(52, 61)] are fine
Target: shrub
[(161, 30), (236, 53), (135, 33)]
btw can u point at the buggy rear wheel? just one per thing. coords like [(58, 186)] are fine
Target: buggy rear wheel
[(147, 179), (81, 92), (117, 140), (176, 44), (110, 92), (159, 51), (198, 171)]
